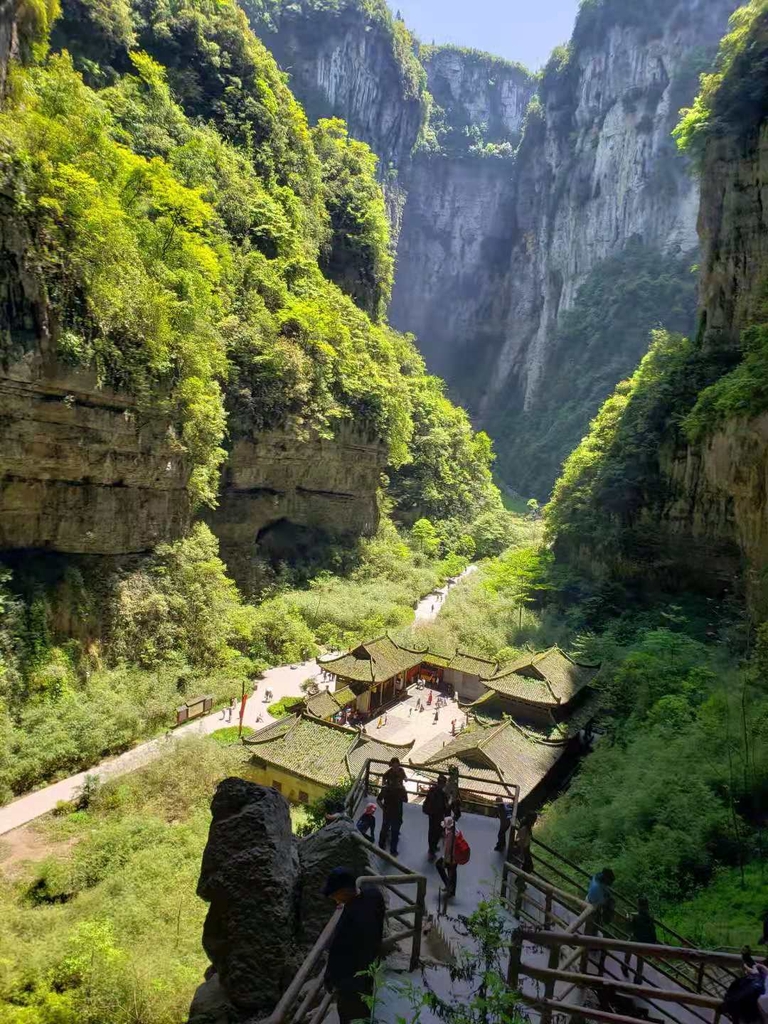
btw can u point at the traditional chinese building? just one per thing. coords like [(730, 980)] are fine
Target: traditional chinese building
[(303, 757)]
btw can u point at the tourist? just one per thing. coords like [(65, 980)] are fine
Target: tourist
[(452, 792), (599, 894), (446, 862), (435, 806), (523, 842), (437, 716), (355, 946), (232, 706), (453, 727), (366, 823), (642, 928), (395, 772), (504, 814), (391, 800)]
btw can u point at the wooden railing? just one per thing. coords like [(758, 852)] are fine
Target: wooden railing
[(609, 948), (306, 1000), (704, 978), (480, 797)]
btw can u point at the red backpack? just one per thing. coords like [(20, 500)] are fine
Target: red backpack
[(461, 849)]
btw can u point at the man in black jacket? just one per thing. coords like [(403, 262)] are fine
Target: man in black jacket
[(391, 800), (435, 806), (356, 944)]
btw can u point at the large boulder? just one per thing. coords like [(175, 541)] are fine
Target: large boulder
[(332, 846), (266, 904), (249, 875)]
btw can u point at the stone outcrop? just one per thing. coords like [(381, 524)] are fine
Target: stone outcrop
[(249, 875), (273, 481), (264, 888), (343, 64)]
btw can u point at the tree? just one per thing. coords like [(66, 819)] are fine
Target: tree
[(425, 535)]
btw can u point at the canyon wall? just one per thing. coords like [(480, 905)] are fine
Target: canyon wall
[(495, 246)]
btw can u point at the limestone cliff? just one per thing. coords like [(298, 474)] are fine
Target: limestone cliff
[(494, 247)]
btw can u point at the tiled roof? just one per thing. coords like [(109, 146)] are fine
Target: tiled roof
[(306, 746), (376, 751), (565, 676), (344, 696), (435, 659), (526, 688), (323, 705), (471, 665), (374, 661), (509, 754)]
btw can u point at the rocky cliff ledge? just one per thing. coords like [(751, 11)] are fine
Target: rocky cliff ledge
[(280, 493)]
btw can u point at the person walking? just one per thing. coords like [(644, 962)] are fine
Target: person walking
[(523, 842), (446, 862), (642, 928), (355, 946), (435, 806), (391, 800), (452, 792), (232, 706), (504, 814), (600, 895)]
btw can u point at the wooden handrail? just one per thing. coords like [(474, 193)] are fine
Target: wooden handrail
[(645, 949), (641, 991), (545, 887)]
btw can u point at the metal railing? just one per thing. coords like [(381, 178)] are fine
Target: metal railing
[(580, 935), (306, 1000), (368, 781), (609, 948), (703, 979)]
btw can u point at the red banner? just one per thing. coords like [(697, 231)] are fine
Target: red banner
[(242, 710)]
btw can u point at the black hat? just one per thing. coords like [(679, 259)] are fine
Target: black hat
[(339, 878)]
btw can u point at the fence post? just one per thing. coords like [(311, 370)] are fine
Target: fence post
[(418, 921), (515, 959), (590, 928), (520, 885), (548, 910), (367, 777), (504, 877), (700, 977), (549, 985)]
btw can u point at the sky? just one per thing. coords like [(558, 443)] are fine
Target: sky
[(523, 30)]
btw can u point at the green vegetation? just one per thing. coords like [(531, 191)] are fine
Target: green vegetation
[(728, 912), (732, 98), (282, 707), (358, 258), (107, 927), (599, 341), (670, 701), (231, 734), (613, 476)]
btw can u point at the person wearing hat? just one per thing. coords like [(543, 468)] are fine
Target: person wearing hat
[(366, 823), (356, 944)]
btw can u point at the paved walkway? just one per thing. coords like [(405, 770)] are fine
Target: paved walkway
[(283, 681), (429, 606)]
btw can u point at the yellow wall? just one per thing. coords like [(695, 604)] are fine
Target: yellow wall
[(290, 785)]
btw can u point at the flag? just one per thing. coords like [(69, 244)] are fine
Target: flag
[(242, 711)]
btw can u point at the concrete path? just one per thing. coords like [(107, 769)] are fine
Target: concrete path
[(283, 681), (429, 607)]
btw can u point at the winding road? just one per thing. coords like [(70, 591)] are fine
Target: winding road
[(283, 681)]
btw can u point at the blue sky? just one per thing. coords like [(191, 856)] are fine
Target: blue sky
[(524, 30)]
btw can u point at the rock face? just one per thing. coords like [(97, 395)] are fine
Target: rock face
[(341, 64), (599, 168), (272, 483), (492, 252), (248, 876), (719, 488), (264, 888)]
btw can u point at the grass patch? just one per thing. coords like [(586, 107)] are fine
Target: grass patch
[(226, 737), (282, 707)]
